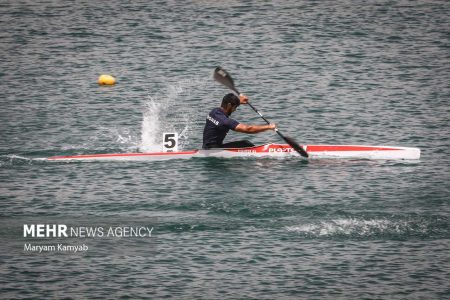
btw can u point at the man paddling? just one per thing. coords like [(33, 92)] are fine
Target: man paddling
[(218, 123)]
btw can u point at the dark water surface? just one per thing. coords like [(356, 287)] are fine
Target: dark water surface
[(346, 72)]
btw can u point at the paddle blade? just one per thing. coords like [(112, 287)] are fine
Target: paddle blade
[(222, 76), (295, 146)]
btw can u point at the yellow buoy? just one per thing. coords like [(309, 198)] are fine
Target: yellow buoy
[(106, 80)]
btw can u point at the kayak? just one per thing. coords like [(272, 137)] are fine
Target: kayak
[(267, 150)]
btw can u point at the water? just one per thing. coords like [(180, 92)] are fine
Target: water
[(350, 72)]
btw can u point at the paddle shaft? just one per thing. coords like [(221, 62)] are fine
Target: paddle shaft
[(267, 121), (262, 116), (254, 108)]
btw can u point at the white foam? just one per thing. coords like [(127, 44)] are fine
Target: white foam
[(350, 226), (9, 159), (168, 112), (151, 126)]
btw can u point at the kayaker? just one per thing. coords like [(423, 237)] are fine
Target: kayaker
[(218, 123)]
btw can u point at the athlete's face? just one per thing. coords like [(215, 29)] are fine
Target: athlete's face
[(230, 108)]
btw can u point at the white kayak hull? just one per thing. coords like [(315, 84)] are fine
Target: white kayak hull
[(268, 150)]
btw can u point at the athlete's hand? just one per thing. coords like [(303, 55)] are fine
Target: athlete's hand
[(243, 99), (273, 126)]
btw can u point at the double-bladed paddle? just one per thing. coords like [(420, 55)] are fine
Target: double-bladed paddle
[(222, 76)]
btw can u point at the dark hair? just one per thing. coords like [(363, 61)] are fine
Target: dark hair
[(230, 98)]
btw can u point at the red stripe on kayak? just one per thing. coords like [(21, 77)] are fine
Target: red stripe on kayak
[(121, 155), (310, 148), (321, 148)]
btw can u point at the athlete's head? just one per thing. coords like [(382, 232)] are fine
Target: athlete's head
[(231, 99), (230, 102)]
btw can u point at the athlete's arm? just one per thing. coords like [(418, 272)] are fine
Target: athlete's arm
[(254, 128)]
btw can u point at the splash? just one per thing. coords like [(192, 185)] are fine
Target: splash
[(108, 139), (13, 159), (151, 126), (355, 227), (169, 112)]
